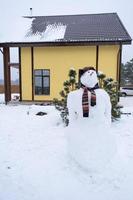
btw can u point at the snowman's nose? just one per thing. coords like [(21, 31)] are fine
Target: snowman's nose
[(91, 73)]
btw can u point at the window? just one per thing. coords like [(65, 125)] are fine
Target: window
[(42, 81)]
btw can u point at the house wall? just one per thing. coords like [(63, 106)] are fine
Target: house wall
[(59, 60), (108, 60), (26, 74)]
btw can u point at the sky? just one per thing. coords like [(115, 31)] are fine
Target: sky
[(12, 11)]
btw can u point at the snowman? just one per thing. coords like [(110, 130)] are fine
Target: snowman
[(90, 141)]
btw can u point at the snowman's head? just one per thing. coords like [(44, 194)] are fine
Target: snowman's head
[(89, 77)]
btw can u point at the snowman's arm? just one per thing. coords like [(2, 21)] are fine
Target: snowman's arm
[(70, 106), (108, 109)]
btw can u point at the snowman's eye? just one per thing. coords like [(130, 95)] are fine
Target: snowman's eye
[(91, 73)]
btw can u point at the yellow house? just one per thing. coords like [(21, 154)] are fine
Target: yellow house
[(55, 44)]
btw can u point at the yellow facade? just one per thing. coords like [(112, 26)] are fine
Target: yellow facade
[(26, 74), (59, 60), (108, 60)]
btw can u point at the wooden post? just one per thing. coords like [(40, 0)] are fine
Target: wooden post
[(7, 74), (97, 57), (20, 76), (120, 61), (32, 68), (118, 75)]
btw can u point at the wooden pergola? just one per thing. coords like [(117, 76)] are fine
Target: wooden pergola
[(7, 72)]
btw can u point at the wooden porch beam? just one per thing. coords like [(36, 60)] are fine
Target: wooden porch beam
[(14, 65), (120, 61), (7, 75), (20, 75), (97, 57)]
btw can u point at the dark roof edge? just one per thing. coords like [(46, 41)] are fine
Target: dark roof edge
[(69, 15), (123, 26), (63, 43)]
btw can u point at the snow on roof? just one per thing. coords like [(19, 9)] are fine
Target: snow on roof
[(70, 28), (53, 32), (21, 32)]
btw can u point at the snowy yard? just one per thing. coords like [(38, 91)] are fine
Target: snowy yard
[(34, 163)]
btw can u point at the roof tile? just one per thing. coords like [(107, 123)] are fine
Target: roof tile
[(89, 27)]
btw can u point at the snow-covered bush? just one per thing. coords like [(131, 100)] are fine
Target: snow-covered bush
[(69, 85), (112, 88)]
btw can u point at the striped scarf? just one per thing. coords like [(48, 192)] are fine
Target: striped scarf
[(85, 99)]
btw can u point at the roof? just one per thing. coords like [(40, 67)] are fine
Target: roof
[(87, 28)]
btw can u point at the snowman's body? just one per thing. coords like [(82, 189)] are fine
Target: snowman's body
[(101, 113), (90, 142)]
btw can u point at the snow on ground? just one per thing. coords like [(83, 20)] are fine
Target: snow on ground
[(2, 98), (14, 98), (34, 163)]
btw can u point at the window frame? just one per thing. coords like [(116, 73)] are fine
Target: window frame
[(42, 76)]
